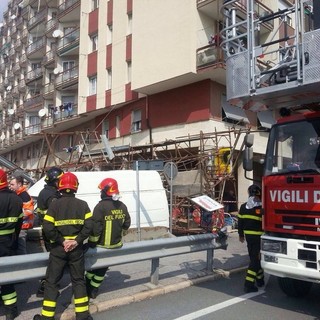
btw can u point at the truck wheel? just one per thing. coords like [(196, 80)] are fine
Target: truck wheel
[(294, 288)]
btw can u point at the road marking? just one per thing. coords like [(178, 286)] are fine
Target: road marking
[(222, 305)]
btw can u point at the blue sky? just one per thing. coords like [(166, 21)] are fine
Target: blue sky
[(3, 7)]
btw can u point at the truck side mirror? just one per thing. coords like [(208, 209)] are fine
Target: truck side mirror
[(248, 159), (248, 140), (248, 152)]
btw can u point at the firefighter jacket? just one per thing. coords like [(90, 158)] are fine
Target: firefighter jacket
[(10, 213), (110, 218), (249, 221), (46, 195), (68, 218), (27, 208)]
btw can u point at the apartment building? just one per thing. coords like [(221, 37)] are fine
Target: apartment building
[(141, 72)]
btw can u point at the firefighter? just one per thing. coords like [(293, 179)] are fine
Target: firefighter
[(250, 229), (110, 218), (67, 223), (10, 225), (17, 185), (46, 196)]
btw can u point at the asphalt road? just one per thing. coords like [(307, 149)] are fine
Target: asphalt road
[(221, 299)]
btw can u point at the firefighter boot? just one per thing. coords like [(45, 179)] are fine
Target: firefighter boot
[(40, 317), (260, 282), (12, 313), (251, 288)]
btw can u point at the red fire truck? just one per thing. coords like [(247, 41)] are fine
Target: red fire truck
[(273, 64)]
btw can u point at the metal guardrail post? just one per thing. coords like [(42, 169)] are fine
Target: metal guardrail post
[(210, 255), (155, 271)]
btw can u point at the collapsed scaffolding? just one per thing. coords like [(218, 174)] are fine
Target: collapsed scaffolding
[(206, 164)]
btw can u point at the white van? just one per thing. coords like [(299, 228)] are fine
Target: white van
[(153, 210)]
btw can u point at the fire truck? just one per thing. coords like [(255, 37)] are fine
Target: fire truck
[(272, 58)]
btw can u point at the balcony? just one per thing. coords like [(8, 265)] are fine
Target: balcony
[(16, 69), (68, 79), (65, 113), (16, 137), (69, 10), (22, 86), (19, 23), (18, 45), (10, 75), (34, 103), (33, 75), (24, 36), (23, 61), (69, 44), (15, 92), (38, 21), (51, 26), (49, 57), (12, 53), (14, 32), (48, 91), (33, 129), (36, 50)]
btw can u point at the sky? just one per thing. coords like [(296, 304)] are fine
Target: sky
[(3, 7)]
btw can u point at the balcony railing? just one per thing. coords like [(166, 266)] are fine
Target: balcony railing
[(18, 44), (15, 92), (59, 115), (24, 35), (22, 86), (48, 88), (67, 75), (66, 5), (69, 41), (51, 24), (23, 60), (36, 45), (49, 56), (209, 55), (19, 23), (34, 74), (32, 102), (16, 68), (33, 129), (38, 18)]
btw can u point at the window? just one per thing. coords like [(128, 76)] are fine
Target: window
[(94, 43), (67, 65), (93, 85), (109, 79), (109, 34), (105, 128), (95, 4), (128, 71), (136, 121)]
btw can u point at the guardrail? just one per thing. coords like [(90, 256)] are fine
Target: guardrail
[(15, 269)]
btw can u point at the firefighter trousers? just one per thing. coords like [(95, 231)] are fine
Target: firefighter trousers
[(95, 277), (254, 272), (8, 292), (58, 260)]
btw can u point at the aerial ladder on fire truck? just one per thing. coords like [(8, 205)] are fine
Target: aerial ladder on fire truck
[(272, 59), (272, 56)]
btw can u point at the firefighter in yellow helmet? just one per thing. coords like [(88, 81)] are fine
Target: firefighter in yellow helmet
[(10, 225), (67, 223), (250, 229), (111, 218)]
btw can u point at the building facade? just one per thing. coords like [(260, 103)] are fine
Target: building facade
[(140, 72)]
